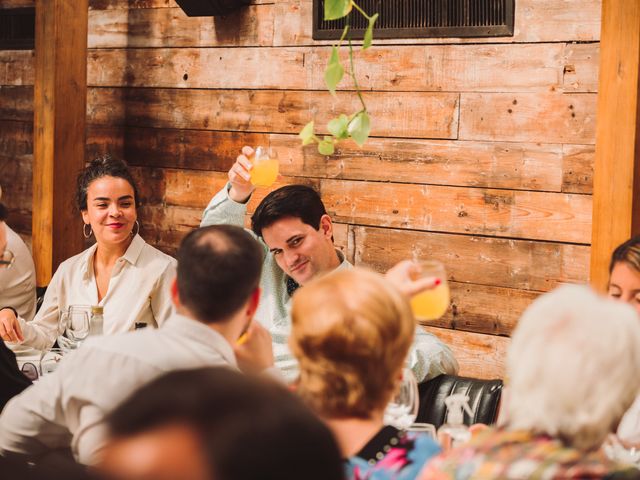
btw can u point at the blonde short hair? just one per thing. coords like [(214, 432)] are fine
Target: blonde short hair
[(573, 366), (351, 331)]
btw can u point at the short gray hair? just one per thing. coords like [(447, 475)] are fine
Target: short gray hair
[(573, 366)]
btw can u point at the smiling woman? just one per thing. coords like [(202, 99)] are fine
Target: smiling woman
[(121, 273)]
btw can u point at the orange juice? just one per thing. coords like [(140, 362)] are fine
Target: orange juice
[(431, 304), (264, 171)]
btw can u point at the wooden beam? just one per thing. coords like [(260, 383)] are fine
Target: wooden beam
[(616, 189), (59, 130)]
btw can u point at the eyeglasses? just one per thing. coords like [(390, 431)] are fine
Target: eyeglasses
[(7, 259)]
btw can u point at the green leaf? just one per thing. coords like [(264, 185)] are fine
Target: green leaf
[(360, 127), (326, 147), (306, 134), (334, 9), (334, 72), (368, 35), (338, 127)]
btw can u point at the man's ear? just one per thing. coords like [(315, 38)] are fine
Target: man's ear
[(326, 226), (254, 302), (175, 296)]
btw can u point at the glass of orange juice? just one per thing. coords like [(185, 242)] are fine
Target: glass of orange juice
[(431, 304), (265, 167)]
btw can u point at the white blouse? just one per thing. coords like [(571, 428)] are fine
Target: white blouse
[(139, 293), (18, 283)]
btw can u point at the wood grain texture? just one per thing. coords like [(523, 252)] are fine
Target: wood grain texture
[(525, 265), (16, 67), (499, 213), (16, 103), (424, 115), (460, 68), (170, 27), (59, 115), (535, 21), (616, 206), (518, 166), (479, 356), (528, 117)]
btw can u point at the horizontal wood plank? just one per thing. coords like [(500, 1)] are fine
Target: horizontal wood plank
[(520, 264), (423, 115), (16, 138), (171, 27), (581, 62), (528, 117), (16, 67), (17, 193), (460, 68), (501, 213), (16, 103), (479, 356), (535, 21)]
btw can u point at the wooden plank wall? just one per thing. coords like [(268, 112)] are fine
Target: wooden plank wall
[(482, 152)]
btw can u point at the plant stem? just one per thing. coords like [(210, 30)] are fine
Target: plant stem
[(352, 72), (355, 5)]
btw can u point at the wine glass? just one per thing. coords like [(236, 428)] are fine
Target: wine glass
[(402, 410), (431, 304), (265, 167), (75, 324)]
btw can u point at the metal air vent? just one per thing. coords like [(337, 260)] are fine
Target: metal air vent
[(17, 28), (422, 19)]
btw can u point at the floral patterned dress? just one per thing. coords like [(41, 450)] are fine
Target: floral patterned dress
[(392, 454), (511, 455)]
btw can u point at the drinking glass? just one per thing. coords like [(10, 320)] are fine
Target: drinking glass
[(265, 167), (75, 324), (402, 410), (49, 360), (431, 304)]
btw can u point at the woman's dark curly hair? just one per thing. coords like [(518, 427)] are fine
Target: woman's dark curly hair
[(103, 166)]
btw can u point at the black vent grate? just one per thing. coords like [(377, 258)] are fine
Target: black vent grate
[(17, 28), (422, 19)]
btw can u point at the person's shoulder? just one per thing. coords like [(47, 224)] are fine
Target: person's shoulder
[(153, 254), (74, 261)]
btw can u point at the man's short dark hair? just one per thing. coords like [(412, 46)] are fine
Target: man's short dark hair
[(298, 201), (249, 428), (218, 268), (4, 213)]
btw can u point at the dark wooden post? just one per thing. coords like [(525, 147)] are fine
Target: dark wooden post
[(616, 189), (59, 130)]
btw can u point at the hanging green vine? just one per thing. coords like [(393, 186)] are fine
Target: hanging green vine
[(357, 125)]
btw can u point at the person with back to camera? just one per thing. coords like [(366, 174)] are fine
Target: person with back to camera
[(351, 333), (121, 272), (624, 286), (66, 409), (573, 367), (297, 234), (184, 426)]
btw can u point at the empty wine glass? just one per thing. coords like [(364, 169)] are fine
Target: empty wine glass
[(402, 410), (75, 327)]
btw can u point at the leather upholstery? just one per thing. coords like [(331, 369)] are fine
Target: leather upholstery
[(484, 399)]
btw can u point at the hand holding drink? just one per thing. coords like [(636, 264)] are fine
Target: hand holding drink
[(252, 168), (431, 304)]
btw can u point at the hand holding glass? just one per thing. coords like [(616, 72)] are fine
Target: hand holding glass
[(431, 304), (265, 167)]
